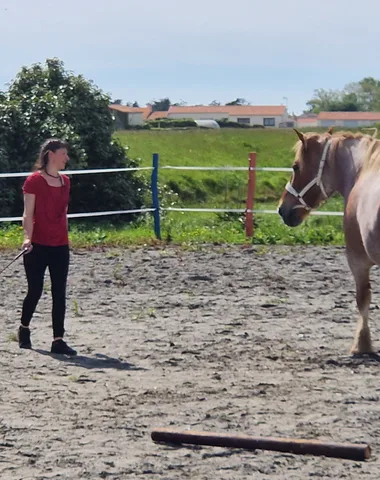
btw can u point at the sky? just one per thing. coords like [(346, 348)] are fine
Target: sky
[(267, 52)]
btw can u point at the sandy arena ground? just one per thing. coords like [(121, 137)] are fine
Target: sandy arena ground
[(218, 339)]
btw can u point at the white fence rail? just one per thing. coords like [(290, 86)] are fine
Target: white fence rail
[(173, 209)]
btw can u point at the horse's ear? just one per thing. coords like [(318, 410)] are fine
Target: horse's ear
[(301, 137), (330, 130)]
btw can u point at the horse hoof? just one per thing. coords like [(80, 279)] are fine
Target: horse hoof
[(355, 351)]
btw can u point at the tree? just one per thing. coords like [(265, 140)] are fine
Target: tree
[(324, 100), (238, 101), (214, 103), (367, 92), (162, 105), (181, 103), (349, 103), (46, 101), (132, 104), (356, 96)]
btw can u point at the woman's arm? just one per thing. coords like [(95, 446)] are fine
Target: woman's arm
[(27, 219)]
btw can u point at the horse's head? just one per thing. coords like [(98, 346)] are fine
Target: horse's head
[(305, 190)]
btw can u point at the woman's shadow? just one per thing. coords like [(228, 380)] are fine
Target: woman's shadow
[(98, 361)]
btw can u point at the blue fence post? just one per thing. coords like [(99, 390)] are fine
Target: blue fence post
[(155, 199)]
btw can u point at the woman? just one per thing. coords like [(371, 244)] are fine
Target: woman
[(46, 198)]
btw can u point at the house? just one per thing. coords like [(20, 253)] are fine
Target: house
[(129, 116), (267, 116), (290, 123), (307, 120), (157, 115), (348, 119)]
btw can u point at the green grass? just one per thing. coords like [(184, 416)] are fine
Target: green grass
[(193, 228), (225, 147), (213, 189), (202, 189)]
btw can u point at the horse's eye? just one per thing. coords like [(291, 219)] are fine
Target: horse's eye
[(296, 167)]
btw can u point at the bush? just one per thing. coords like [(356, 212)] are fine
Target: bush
[(190, 123), (225, 123), (172, 123), (46, 101), (144, 126)]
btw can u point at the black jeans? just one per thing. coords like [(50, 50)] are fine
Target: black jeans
[(35, 264)]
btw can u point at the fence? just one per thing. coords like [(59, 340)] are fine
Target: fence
[(249, 211)]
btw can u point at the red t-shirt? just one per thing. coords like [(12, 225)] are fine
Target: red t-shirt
[(50, 220)]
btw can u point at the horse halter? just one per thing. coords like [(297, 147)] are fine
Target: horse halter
[(316, 181)]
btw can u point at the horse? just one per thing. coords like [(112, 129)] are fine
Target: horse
[(349, 164)]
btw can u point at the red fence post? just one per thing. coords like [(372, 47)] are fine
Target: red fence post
[(250, 195)]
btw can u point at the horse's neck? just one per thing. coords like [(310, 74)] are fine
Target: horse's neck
[(349, 159)]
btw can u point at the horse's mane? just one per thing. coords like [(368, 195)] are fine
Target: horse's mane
[(339, 138), (372, 158)]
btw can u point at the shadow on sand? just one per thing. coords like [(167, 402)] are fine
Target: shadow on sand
[(98, 361), (355, 360)]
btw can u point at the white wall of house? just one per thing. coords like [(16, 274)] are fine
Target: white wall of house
[(135, 119), (306, 124), (267, 121), (365, 123), (124, 118), (348, 119), (347, 123)]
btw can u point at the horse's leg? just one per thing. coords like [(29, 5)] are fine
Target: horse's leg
[(360, 268)]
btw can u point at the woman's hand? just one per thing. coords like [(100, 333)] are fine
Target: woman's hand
[(27, 245)]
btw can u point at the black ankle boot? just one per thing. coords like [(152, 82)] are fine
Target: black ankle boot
[(61, 347), (24, 338)]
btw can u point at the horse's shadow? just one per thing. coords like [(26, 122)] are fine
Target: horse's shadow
[(356, 359), (371, 356), (99, 361)]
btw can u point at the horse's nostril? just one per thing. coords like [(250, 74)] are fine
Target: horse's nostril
[(281, 210)]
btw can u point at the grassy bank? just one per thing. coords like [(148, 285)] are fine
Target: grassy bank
[(212, 189), (226, 147), (208, 189), (195, 228)]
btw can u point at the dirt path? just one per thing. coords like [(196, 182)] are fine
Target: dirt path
[(218, 339)]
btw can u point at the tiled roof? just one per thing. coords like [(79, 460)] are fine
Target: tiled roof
[(227, 110), (156, 115), (199, 109), (276, 110), (349, 116), (124, 109), (233, 110)]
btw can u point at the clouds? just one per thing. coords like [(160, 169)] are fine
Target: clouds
[(263, 41), (196, 32)]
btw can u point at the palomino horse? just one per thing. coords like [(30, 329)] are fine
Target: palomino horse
[(349, 164)]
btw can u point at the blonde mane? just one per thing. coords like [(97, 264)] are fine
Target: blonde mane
[(339, 138), (372, 158)]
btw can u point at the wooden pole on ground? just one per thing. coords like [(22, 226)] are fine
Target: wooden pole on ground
[(350, 451)]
